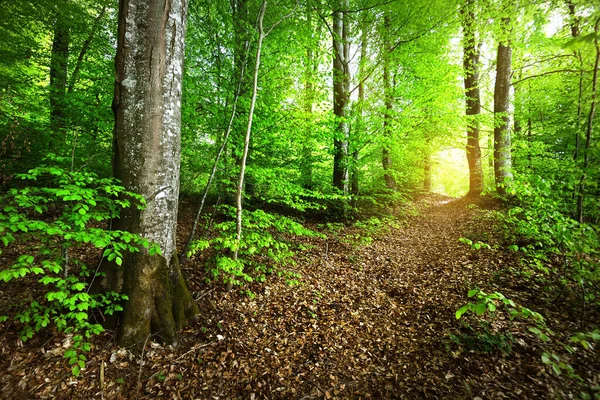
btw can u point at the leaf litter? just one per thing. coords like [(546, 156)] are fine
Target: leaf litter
[(367, 321)]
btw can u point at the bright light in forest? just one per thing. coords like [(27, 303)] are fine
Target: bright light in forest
[(450, 172)]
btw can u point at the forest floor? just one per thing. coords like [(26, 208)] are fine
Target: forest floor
[(372, 317)]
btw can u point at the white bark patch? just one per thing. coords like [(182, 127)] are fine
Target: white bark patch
[(149, 137)]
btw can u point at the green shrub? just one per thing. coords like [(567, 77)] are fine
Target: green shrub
[(44, 221)]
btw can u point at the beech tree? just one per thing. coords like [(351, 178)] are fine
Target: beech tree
[(473, 98), (147, 101), (502, 155), (341, 94)]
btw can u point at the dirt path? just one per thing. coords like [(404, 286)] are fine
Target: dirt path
[(367, 321)]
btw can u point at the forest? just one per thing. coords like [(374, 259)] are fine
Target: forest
[(299, 199)]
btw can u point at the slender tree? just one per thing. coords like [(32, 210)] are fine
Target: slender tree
[(386, 158), (341, 93), (58, 73), (147, 101), (473, 98), (589, 126), (502, 151)]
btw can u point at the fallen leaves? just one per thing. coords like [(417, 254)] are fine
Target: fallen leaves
[(368, 321)]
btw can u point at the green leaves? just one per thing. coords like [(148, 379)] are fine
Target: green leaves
[(78, 198)]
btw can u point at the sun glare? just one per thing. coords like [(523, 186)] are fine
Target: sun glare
[(450, 172)]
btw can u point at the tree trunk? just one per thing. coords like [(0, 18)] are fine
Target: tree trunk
[(309, 72), (427, 174), (502, 152), (240, 186), (360, 125), (590, 127), (147, 103), (473, 100), (386, 158), (341, 94), (58, 78)]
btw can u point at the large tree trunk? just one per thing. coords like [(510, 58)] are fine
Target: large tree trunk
[(147, 103), (386, 158), (341, 94), (502, 152), (473, 100), (58, 78)]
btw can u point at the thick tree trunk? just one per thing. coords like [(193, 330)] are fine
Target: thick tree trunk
[(147, 110), (341, 94), (502, 152), (473, 101), (58, 78), (386, 158)]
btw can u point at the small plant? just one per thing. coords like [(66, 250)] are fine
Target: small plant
[(262, 250), (56, 212), (475, 245), (483, 339)]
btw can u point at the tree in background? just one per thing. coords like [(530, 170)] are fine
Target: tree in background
[(502, 142), (473, 97)]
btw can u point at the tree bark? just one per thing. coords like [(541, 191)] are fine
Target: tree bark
[(147, 106), (58, 78), (502, 152), (309, 95), (472, 101), (590, 127), (386, 158), (240, 186), (341, 94)]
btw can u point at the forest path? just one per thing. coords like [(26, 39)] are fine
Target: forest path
[(367, 321)]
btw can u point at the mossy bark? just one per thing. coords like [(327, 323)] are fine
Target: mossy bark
[(147, 146)]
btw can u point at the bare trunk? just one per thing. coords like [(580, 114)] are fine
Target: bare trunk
[(309, 72), (85, 48), (473, 101), (58, 79), (220, 152), (355, 181), (590, 127), (502, 152), (341, 94), (386, 158), (427, 174), (240, 186), (147, 110)]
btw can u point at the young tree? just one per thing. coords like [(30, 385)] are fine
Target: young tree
[(473, 99), (147, 101)]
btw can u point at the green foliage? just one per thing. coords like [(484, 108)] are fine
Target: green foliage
[(485, 340), (555, 245), (474, 245), (482, 339), (263, 249), (57, 212)]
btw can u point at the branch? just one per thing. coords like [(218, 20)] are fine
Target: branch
[(84, 49), (558, 71)]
